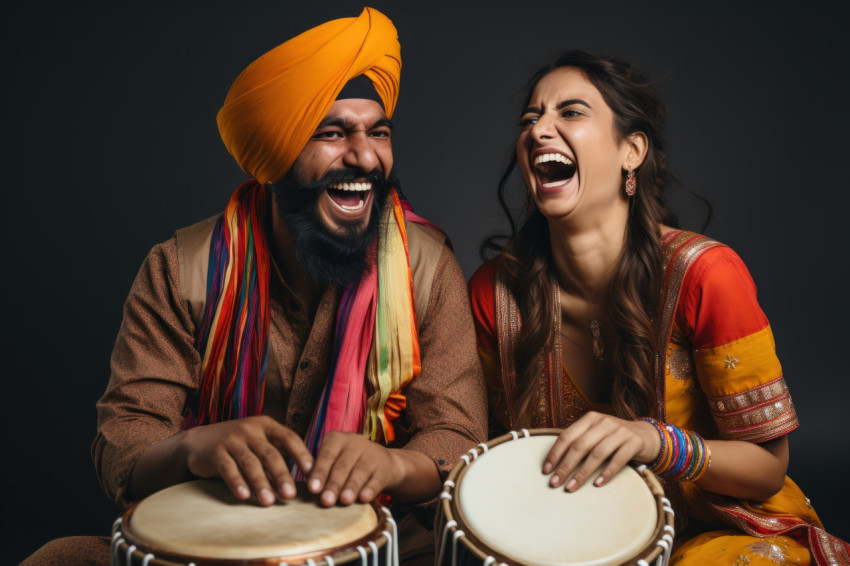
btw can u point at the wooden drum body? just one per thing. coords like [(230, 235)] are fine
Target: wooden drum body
[(497, 508), (201, 522)]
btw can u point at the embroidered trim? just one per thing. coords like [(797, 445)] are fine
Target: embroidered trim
[(738, 402), (679, 251), (758, 415), (507, 325)]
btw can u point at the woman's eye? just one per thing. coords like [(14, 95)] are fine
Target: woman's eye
[(527, 121), (570, 113)]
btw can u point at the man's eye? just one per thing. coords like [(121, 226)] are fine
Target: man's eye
[(327, 135), (380, 134)]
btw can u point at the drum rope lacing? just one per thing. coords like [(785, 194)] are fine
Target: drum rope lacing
[(392, 547)]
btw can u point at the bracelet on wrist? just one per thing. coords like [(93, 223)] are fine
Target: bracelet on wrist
[(684, 454)]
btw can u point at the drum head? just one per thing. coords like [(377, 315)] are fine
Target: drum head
[(203, 519), (508, 505)]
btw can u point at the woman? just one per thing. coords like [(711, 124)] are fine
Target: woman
[(642, 342)]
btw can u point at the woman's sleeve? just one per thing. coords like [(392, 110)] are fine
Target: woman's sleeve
[(734, 351)]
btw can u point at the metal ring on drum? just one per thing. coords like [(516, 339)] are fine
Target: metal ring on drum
[(497, 507)]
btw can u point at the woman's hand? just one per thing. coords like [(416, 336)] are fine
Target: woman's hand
[(599, 440)]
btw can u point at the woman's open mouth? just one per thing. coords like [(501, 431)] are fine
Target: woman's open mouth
[(553, 170)]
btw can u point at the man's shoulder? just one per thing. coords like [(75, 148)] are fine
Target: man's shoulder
[(193, 251), (424, 243)]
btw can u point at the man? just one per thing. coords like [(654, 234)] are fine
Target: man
[(317, 323)]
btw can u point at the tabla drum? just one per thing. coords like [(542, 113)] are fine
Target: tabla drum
[(200, 522), (497, 508)]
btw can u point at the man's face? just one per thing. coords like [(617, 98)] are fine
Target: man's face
[(331, 198), (353, 140)]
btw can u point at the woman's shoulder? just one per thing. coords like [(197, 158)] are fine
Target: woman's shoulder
[(718, 298), (484, 278), (482, 300), (703, 255)]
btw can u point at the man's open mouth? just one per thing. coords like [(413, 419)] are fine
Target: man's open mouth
[(554, 169), (350, 197)]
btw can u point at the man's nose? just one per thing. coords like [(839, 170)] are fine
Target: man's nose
[(360, 153)]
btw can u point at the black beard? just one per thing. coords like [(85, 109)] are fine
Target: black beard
[(337, 259)]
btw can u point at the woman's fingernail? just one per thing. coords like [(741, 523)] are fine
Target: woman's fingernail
[(599, 481), (288, 490), (572, 485), (315, 485), (242, 492), (554, 481), (547, 467)]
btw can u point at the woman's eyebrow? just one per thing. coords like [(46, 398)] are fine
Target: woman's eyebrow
[(572, 101)]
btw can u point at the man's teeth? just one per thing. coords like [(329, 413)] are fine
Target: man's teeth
[(547, 157), (352, 187), (352, 208)]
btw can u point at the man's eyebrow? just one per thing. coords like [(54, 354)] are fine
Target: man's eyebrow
[(347, 124), (572, 101), (383, 123)]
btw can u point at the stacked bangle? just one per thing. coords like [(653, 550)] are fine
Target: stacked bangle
[(684, 454)]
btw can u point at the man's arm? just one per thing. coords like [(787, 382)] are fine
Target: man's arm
[(139, 447)]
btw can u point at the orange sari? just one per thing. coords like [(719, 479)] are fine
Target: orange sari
[(720, 377)]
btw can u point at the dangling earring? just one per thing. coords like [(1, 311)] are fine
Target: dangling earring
[(631, 182), (529, 202)]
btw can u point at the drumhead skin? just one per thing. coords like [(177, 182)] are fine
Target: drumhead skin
[(202, 518), (506, 501)]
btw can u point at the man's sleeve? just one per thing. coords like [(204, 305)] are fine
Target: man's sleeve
[(447, 402), (153, 366)]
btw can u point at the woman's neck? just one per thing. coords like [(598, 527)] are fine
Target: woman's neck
[(586, 253)]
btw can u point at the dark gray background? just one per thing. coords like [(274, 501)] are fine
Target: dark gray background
[(110, 144)]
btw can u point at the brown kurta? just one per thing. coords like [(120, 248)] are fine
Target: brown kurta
[(155, 367)]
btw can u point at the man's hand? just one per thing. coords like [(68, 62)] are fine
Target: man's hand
[(350, 467), (247, 454)]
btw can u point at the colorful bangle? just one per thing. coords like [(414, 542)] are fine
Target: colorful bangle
[(684, 454)]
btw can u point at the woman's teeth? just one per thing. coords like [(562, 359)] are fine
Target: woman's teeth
[(548, 157)]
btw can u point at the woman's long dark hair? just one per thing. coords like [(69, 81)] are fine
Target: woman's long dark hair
[(633, 295)]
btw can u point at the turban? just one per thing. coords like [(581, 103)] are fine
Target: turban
[(276, 103)]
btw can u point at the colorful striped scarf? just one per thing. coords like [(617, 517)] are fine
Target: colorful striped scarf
[(376, 343)]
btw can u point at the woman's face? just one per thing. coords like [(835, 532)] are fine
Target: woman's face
[(569, 151)]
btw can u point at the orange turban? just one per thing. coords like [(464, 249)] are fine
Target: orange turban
[(275, 104)]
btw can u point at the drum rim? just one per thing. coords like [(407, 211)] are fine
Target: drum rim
[(452, 512), (349, 549)]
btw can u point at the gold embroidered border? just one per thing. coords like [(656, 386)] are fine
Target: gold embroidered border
[(678, 253), (507, 328), (758, 415), (766, 393)]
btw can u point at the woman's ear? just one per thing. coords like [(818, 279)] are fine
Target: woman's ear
[(636, 146)]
